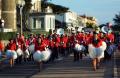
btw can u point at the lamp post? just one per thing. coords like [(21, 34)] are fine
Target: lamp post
[(21, 4)]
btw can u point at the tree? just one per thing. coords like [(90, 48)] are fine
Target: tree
[(116, 20), (26, 11)]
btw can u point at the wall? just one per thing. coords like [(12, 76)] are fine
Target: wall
[(9, 14), (49, 22)]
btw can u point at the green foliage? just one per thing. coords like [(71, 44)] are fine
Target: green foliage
[(12, 35), (116, 20), (7, 35)]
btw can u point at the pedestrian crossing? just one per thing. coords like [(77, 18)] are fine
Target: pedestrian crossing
[(65, 68)]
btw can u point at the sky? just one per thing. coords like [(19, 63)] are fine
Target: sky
[(103, 10)]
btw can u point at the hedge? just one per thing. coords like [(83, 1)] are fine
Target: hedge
[(9, 35)]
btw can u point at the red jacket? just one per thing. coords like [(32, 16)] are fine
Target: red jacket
[(1, 46), (110, 37), (64, 42), (40, 47), (57, 42), (51, 44), (99, 43), (11, 46)]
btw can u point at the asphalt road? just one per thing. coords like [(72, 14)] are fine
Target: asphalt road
[(65, 68)]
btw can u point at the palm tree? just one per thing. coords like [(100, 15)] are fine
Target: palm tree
[(116, 20)]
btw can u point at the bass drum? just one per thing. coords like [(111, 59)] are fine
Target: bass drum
[(79, 48), (26, 53), (19, 52), (31, 48)]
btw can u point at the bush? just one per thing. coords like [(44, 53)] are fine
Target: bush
[(7, 35)]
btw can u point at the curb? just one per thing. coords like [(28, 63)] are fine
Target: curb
[(115, 70)]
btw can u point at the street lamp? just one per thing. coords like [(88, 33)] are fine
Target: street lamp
[(21, 4)]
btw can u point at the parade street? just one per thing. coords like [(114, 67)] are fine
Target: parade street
[(65, 68)]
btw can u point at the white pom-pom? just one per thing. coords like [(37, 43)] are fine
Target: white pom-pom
[(14, 55), (31, 48), (46, 55), (19, 52), (38, 56)]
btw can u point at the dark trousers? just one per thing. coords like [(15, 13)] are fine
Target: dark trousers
[(56, 52), (107, 56), (62, 51), (76, 55), (19, 60), (52, 58)]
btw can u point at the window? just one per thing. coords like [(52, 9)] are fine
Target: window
[(42, 23), (34, 23)]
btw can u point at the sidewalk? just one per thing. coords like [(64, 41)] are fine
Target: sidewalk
[(117, 64)]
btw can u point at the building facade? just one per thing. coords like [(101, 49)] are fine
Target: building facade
[(70, 18), (8, 14), (42, 21), (88, 19), (36, 6)]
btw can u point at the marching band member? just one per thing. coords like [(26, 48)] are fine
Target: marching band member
[(96, 50), (110, 45), (19, 47), (25, 50), (63, 45), (41, 53), (72, 40), (76, 52), (57, 46), (39, 47), (32, 40), (52, 48), (11, 54)]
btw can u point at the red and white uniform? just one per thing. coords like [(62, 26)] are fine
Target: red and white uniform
[(40, 47), (110, 36), (11, 46)]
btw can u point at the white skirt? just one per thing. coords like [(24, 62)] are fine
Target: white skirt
[(46, 54), (38, 56), (42, 56), (11, 54), (96, 52)]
